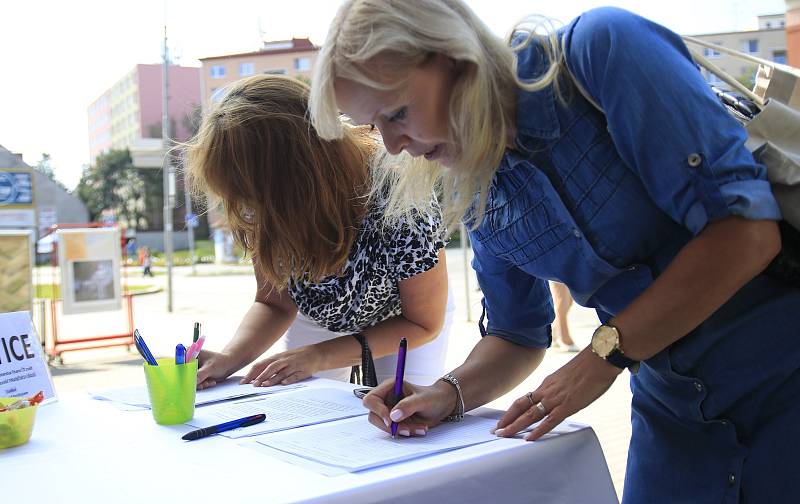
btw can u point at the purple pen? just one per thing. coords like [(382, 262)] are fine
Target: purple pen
[(398, 377)]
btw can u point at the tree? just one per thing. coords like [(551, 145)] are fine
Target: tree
[(114, 184), (45, 167)]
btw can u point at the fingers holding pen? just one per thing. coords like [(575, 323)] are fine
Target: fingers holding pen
[(385, 409)]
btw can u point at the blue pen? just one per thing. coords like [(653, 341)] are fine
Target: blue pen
[(148, 356), (180, 353), (233, 424)]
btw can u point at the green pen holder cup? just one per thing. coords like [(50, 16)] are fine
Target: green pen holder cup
[(172, 390)]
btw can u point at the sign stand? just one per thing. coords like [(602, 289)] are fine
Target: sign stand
[(56, 347)]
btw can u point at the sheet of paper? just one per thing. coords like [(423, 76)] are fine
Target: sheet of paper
[(355, 445), (284, 411), (129, 398)]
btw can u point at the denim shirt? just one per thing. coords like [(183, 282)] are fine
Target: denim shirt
[(603, 201)]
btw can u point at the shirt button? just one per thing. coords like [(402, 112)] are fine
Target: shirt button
[(724, 423), (731, 478), (576, 233), (694, 160), (698, 386)]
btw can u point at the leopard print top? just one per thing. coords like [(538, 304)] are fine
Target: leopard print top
[(367, 292)]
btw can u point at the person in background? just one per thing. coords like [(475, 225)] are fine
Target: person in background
[(332, 275), (562, 302), (130, 250), (147, 261), (645, 203)]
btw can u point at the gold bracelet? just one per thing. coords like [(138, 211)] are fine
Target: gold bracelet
[(458, 413)]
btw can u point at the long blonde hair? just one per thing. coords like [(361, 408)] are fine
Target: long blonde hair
[(292, 200), (482, 104)]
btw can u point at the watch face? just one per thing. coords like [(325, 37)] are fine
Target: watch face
[(605, 340)]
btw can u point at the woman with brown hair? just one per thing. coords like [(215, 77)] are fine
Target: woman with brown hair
[(328, 266)]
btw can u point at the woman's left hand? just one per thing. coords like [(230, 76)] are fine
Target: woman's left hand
[(286, 367), (570, 389)]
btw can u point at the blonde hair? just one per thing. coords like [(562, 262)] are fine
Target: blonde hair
[(482, 104), (292, 200)]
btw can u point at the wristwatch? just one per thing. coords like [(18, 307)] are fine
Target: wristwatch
[(606, 345)]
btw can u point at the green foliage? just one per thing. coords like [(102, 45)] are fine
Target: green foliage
[(46, 291), (45, 167), (203, 253), (748, 78), (114, 184)]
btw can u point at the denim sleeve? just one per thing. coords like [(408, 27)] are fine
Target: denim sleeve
[(519, 306), (665, 121)]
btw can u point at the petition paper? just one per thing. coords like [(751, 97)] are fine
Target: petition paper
[(297, 408), (137, 397), (355, 445)]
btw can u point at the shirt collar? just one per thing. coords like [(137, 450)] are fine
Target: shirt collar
[(536, 111)]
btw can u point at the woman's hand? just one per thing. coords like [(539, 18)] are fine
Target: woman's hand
[(213, 367), (421, 408), (570, 389), (286, 367)]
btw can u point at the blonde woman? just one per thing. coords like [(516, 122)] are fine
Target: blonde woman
[(646, 204), (328, 266)]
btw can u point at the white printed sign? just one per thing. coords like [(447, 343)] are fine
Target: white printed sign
[(23, 371)]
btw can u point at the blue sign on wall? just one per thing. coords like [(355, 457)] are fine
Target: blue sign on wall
[(16, 188)]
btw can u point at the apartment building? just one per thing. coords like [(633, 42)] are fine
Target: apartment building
[(768, 42), (293, 57), (130, 111), (793, 32)]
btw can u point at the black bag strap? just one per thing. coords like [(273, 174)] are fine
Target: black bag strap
[(365, 373)]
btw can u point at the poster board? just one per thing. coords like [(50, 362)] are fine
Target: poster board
[(23, 371), (16, 188), (16, 270), (90, 261)]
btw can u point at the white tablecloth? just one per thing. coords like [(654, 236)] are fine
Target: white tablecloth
[(86, 451)]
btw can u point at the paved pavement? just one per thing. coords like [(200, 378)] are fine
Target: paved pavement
[(219, 297)]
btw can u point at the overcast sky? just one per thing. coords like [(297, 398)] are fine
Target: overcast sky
[(58, 57)]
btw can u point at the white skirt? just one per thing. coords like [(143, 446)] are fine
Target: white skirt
[(424, 365)]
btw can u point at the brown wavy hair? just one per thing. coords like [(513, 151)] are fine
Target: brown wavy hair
[(292, 200)]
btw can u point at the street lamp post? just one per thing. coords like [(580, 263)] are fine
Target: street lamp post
[(169, 173)]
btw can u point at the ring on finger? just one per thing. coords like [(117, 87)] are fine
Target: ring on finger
[(529, 395), (541, 408)]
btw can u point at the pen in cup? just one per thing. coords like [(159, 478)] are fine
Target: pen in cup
[(198, 346), (180, 354), (142, 347), (398, 379)]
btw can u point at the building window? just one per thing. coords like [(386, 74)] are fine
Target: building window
[(779, 56), (276, 71), (217, 94), (217, 71), (246, 69), (302, 64), (750, 46), (712, 53), (713, 79), (769, 25)]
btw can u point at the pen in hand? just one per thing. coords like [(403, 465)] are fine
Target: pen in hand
[(216, 429), (398, 378)]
